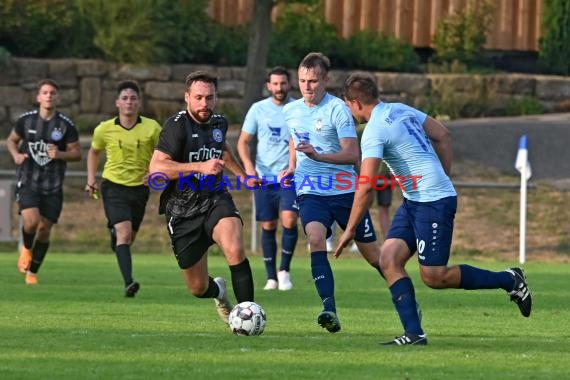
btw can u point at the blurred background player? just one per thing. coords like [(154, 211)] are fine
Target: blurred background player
[(41, 144), (265, 120), (128, 141)]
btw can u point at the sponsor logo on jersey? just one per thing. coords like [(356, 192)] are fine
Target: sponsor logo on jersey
[(38, 151)]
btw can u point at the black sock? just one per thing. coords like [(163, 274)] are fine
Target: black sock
[(113, 235), (242, 281), (28, 239), (38, 255), (123, 253), (212, 291)]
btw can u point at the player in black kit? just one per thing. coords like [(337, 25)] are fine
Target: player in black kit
[(41, 144), (192, 153)]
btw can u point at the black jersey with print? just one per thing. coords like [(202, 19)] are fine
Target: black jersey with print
[(186, 140), (39, 172)]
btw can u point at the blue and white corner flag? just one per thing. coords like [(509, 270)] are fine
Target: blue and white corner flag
[(522, 164)]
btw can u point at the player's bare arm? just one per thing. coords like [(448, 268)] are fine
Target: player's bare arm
[(363, 198), (347, 155), (245, 153), (71, 153), (162, 163), (233, 165), (441, 141), (93, 158), (12, 145)]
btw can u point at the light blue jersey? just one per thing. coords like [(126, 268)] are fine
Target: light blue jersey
[(395, 134), (322, 126), (265, 119)]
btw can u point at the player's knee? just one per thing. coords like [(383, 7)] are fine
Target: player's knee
[(434, 279), (234, 254)]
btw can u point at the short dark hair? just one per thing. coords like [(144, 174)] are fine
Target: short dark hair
[(278, 70), (361, 86), (128, 84), (51, 82), (314, 60), (201, 76)]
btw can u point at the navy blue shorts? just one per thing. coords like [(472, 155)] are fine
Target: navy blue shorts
[(272, 198), (330, 208), (426, 227)]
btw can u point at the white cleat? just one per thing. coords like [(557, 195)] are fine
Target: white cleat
[(223, 304), (284, 280), (270, 285)]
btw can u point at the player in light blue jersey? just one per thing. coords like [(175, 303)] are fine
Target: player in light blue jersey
[(265, 120), (414, 145), (324, 152)]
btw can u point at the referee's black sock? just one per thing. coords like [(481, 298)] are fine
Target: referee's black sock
[(123, 252), (38, 255)]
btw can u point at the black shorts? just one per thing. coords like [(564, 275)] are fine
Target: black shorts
[(49, 205), (191, 237), (384, 197), (123, 203)]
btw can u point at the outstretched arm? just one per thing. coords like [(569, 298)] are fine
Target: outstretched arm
[(363, 198)]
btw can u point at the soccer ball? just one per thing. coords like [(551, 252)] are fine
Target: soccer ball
[(247, 318)]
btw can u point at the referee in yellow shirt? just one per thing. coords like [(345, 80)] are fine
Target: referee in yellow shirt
[(128, 141)]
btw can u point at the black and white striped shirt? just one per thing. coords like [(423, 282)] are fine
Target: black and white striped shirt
[(40, 172)]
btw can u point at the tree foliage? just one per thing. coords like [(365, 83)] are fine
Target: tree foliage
[(461, 36), (555, 41)]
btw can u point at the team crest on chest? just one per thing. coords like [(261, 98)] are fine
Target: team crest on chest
[(318, 125), (56, 134), (217, 135)]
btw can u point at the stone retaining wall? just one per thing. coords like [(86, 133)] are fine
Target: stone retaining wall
[(88, 88)]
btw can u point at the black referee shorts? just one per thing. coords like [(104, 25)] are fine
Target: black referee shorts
[(191, 237), (123, 203)]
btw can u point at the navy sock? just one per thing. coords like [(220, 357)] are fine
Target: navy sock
[(404, 299), (476, 278), (269, 247), (123, 253), (242, 281), (38, 254), (324, 280), (28, 239), (288, 243)]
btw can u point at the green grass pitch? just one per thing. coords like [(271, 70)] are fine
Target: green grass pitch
[(76, 324)]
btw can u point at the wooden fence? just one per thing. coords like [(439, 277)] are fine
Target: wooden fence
[(515, 26)]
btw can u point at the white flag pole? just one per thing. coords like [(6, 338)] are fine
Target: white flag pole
[(523, 166), (522, 214), (253, 225)]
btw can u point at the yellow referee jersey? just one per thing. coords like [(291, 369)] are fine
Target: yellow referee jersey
[(128, 151)]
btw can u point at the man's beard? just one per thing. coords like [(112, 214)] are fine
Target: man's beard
[(280, 96), (197, 117)]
